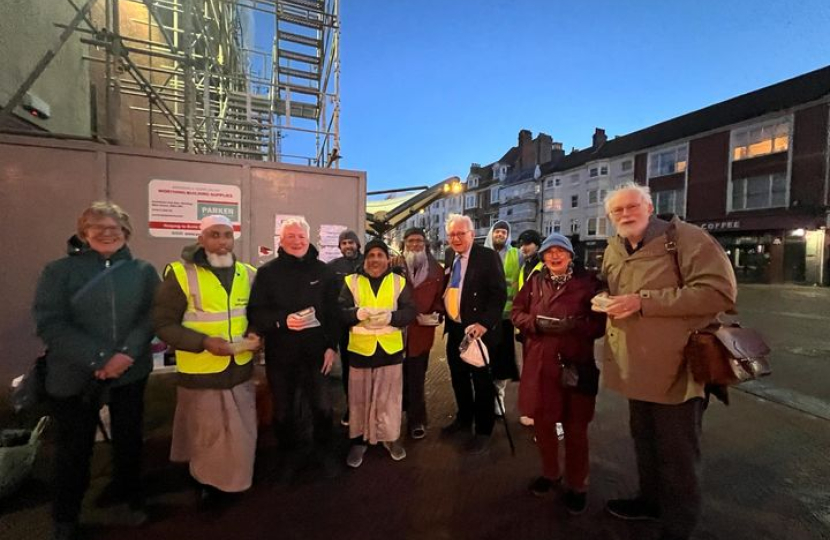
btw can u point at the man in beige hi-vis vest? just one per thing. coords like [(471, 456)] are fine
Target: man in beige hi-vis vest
[(200, 311)]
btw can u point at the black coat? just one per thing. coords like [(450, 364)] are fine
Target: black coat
[(289, 284), (484, 290), (342, 266)]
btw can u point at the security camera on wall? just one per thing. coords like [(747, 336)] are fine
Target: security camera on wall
[(36, 106)]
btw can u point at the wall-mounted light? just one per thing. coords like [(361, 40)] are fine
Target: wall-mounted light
[(797, 232)]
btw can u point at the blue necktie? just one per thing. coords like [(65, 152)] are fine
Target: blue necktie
[(455, 279)]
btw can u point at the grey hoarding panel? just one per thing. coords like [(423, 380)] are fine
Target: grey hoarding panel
[(129, 178), (41, 199), (46, 183), (291, 192)]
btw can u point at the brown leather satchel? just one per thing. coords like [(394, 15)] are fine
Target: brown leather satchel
[(724, 353), (727, 354)]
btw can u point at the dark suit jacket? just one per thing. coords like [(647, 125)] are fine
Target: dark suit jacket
[(484, 291)]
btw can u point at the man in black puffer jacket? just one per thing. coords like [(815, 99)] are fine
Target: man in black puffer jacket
[(294, 307)]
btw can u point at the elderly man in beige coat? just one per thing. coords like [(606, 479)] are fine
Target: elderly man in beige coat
[(653, 304)]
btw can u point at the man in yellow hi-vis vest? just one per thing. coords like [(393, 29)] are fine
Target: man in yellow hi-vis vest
[(200, 310), (377, 305)]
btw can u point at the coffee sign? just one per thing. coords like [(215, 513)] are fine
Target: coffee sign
[(721, 225)]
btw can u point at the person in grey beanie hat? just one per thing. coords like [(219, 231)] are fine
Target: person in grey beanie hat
[(348, 234)]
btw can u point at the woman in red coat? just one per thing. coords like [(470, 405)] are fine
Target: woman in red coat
[(559, 378)]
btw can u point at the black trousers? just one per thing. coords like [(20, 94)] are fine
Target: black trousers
[(301, 400), (667, 445), (76, 421), (472, 386), (344, 362), (503, 356), (414, 378)]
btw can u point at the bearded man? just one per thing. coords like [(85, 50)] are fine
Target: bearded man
[(426, 277)]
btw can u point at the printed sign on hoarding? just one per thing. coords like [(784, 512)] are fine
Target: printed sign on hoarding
[(176, 208)]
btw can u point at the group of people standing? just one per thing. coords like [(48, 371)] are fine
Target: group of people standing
[(98, 309)]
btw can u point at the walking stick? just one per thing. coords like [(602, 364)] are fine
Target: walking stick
[(498, 401)]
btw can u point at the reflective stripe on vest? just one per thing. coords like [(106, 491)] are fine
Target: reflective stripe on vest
[(511, 273), (212, 312), (533, 270), (362, 339)]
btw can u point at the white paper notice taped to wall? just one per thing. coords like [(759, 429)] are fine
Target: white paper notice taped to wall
[(176, 208)]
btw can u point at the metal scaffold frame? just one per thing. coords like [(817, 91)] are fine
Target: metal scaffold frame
[(206, 86)]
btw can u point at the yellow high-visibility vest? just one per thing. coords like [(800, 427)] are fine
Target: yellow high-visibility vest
[(533, 270), (362, 339), (211, 311)]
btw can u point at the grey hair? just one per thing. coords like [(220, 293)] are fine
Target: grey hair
[(104, 209), (295, 221), (458, 218), (644, 191)]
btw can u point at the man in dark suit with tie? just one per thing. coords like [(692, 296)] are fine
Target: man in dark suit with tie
[(474, 295)]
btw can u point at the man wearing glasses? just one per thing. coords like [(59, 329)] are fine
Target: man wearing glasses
[(474, 295), (665, 280)]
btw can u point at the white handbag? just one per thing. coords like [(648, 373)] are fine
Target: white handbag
[(473, 351)]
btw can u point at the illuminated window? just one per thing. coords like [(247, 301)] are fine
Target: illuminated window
[(669, 161), (765, 191), (760, 140), (553, 205)]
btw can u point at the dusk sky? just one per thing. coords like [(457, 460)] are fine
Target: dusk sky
[(429, 86)]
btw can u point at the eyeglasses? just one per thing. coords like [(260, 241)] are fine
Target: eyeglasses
[(629, 208), (103, 229), (457, 234)]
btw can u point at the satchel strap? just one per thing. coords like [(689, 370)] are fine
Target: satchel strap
[(671, 249)]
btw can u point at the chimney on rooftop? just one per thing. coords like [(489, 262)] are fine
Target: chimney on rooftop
[(599, 138)]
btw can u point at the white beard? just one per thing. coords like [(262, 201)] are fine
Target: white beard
[(415, 260), (220, 261)]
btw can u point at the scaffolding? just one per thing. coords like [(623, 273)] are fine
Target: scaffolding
[(252, 79)]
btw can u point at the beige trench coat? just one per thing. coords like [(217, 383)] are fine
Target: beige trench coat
[(643, 352)]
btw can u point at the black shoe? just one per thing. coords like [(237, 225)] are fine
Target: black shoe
[(456, 427), (111, 495), (632, 510), (65, 530), (136, 516), (478, 445), (575, 502), (418, 432), (542, 485), (669, 536)]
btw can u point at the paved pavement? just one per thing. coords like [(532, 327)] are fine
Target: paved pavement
[(766, 465)]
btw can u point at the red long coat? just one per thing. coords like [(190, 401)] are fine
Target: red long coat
[(541, 297), (428, 298)]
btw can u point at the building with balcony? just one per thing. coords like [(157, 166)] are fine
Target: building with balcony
[(753, 170)]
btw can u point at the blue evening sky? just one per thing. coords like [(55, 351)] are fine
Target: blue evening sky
[(429, 86)]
